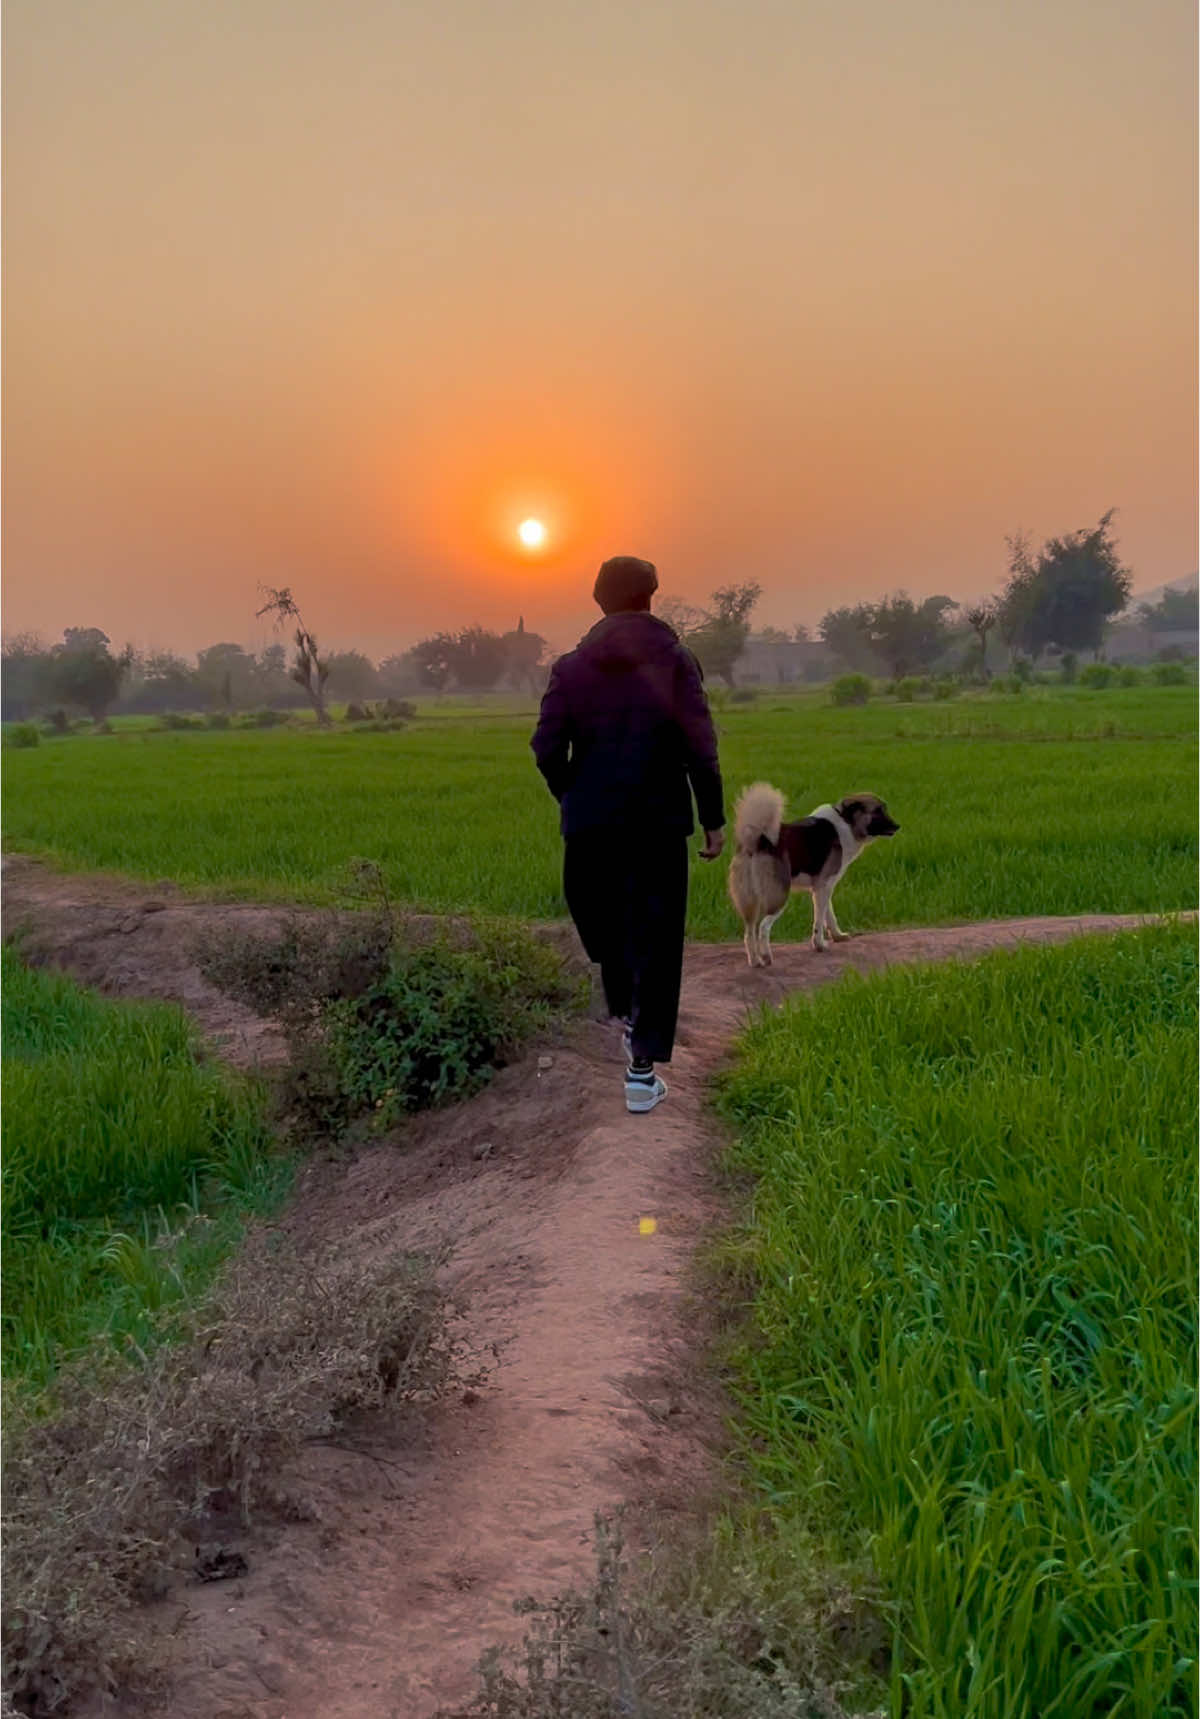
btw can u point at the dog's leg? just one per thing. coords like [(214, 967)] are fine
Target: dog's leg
[(831, 923), (820, 909), (764, 939), (749, 942)]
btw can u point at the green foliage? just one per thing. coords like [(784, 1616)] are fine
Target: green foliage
[(744, 695), (442, 1018), (384, 1018), (907, 688), (113, 1126), (1069, 667), (850, 689), (1169, 674), (973, 1250), (23, 735), (1130, 675), (178, 722), (945, 688), (1096, 676)]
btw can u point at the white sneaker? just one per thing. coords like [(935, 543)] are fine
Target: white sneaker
[(643, 1091)]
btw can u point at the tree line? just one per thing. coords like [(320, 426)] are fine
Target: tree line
[(1060, 599)]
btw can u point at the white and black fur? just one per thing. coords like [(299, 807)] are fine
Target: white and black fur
[(772, 858)]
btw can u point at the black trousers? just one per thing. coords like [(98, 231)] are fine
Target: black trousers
[(628, 898)]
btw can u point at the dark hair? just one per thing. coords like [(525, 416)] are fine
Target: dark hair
[(625, 582)]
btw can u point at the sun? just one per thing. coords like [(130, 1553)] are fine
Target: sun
[(532, 533)]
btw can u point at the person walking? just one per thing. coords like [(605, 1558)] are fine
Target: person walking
[(624, 740)]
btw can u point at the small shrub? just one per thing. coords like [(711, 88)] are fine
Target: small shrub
[(743, 695), (945, 688), (1022, 668), (357, 712), (1012, 683), (177, 722), (1069, 667), (57, 722), (384, 1019), (906, 689), (1169, 674), (851, 689), (264, 718), (1129, 675), (1096, 676), (22, 735), (398, 709), (380, 725), (217, 719)]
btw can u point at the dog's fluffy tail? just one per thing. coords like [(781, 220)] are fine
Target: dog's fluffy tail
[(759, 813)]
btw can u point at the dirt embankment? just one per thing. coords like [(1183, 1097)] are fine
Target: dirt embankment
[(416, 1549)]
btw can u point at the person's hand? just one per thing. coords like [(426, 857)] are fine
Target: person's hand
[(714, 841)]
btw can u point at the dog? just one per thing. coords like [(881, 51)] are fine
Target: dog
[(772, 858)]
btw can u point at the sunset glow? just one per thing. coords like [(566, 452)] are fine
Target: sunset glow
[(859, 293)]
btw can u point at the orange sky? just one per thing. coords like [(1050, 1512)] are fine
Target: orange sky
[(830, 295)]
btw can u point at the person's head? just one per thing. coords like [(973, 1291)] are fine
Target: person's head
[(625, 585)]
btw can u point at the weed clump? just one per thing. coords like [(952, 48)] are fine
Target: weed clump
[(114, 1473), (640, 1647)]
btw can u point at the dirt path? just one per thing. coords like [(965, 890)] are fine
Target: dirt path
[(381, 1603)]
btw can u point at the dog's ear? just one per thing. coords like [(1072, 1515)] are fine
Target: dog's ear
[(850, 808)]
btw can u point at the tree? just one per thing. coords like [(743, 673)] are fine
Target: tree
[(982, 617), (23, 682), (847, 633), (478, 658), (83, 672), (907, 636), (1067, 594), (226, 675), (160, 680), (434, 659), (352, 674), (685, 617), (719, 642), (308, 670), (1175, 612), (523, 656)]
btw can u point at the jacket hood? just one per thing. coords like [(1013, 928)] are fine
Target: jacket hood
[(619, 643)]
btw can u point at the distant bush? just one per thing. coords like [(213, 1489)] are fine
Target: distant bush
[(217, 719), (945, 688), (22, 735), (177, 722), (1013, 683), (357, 712), (265, 718), (379, 725), (851, 689), (398, 709), (907, 688), (1069, 667), (1128, 675), (1096, 676), (1169, 674), (743, 695), (57, 722), (1022, 668)]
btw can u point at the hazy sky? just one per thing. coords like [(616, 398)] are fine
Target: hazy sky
[(832, 295)]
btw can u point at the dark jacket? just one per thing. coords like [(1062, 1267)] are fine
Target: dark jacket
[(624, 729)]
